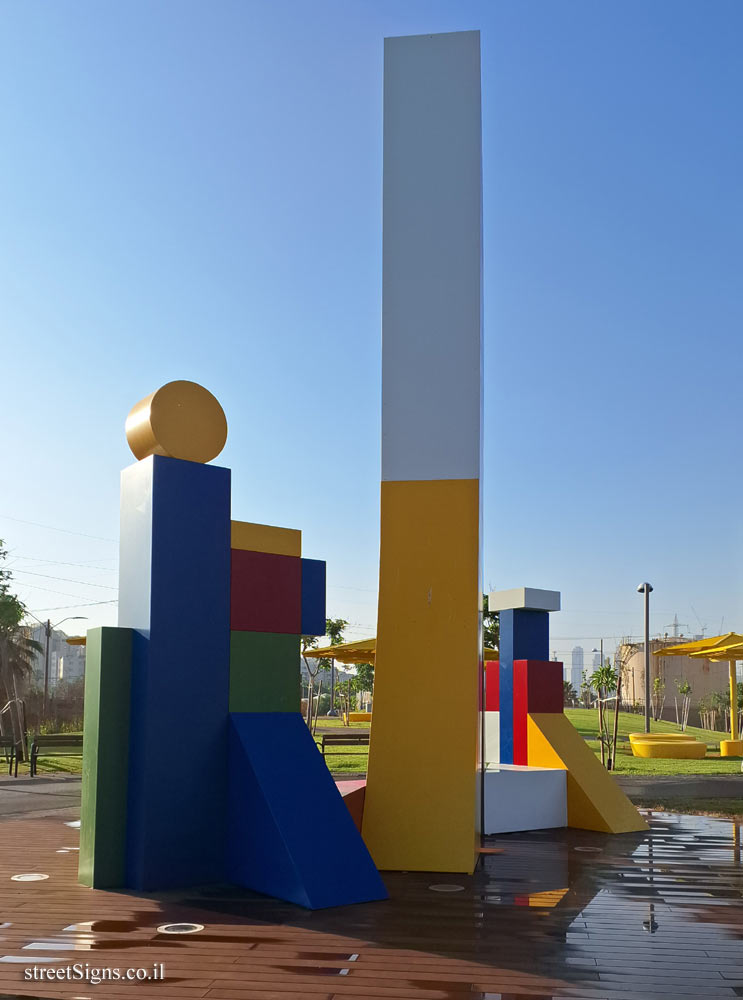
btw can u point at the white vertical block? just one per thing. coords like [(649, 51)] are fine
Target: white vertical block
[(491, 721), (432, 258)]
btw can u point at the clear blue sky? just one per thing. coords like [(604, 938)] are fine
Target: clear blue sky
[(193, 190)]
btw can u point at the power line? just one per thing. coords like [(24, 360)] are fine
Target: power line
[(49, 590), (68, 607), (64, 579), (51, 527), (61, 562)]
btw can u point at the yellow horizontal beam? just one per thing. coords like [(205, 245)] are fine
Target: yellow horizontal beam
[(266, 538)]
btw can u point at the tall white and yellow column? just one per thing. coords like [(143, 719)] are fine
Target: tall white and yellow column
[(422, 806)]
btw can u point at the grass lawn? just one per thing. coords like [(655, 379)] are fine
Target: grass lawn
[(354, 760), (585, 721), (727, 808), (52, 765), (327, 722), (339, 760), (627, 764)]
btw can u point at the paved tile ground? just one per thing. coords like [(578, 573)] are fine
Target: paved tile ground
[(554, 914)]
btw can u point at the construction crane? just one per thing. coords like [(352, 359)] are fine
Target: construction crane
[(702, 628)]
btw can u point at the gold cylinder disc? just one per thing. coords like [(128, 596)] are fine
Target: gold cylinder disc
[(180, 420)]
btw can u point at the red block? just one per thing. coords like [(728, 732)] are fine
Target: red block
[(266, 592), (542, 683), (354, 793), (492, 686), (537, 687)]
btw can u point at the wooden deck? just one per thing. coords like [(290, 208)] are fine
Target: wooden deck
[(553, 914)]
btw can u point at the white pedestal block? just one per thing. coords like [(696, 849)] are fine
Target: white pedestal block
[(524, 798), (492, 737)]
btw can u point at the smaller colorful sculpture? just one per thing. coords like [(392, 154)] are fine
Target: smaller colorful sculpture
[(528, 735)]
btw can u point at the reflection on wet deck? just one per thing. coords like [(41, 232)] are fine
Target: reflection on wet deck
[(549, 914)]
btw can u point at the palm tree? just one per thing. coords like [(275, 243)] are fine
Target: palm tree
[(604, 681), (17, 648), (17, 653)]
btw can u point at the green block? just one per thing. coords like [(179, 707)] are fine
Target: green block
[(264, 672), (108, 662)]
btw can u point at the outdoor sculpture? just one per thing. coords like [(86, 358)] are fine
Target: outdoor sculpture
[(425, 816), (197, 764), (198, 767), (536, 741)]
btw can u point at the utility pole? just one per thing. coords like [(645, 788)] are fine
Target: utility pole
[(646, 589), (48, 631)]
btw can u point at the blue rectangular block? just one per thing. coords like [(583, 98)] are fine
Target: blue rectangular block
[(313, 597), (524, 635), (174, 584), (290, 832)]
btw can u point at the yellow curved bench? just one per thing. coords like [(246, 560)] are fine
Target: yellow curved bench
[(731, 748), (359, 716), (662, 737), (689, 749)]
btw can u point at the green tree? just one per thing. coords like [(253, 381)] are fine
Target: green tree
[(684, 689), (604, 681), (17, 648), (334, 631), (490, 625), (569, 695), (658, 698), (585, 690), (365, 677)]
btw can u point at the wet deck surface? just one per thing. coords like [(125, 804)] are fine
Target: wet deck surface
[(556, 914)]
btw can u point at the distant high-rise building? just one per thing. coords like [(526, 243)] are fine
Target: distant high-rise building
[(576, 670), (596, 660)]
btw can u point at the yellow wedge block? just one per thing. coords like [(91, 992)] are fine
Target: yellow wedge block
[(595, 800)]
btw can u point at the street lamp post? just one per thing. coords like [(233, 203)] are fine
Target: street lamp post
[(646, 589)]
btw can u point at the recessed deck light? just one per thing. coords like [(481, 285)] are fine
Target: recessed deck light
[(179, 928)]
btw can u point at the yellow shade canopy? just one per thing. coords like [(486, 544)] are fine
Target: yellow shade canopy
[(719, 647), (364, 650), (702, 648), (734, 651), (347, 652)]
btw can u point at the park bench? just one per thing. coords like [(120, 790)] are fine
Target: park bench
[(10, 749), (343, 739), (55, 745)]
